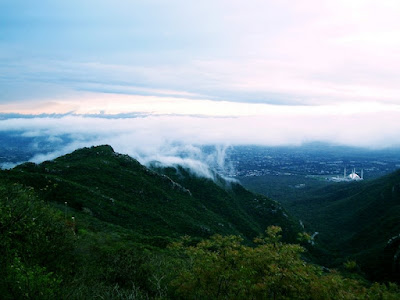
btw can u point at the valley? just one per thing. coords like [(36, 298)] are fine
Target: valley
[(353, 220), (119, 222)]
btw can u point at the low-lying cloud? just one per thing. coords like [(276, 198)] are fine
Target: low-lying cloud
[(178, 140)]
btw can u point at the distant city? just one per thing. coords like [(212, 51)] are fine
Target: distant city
[(314, 160), (321, 161)]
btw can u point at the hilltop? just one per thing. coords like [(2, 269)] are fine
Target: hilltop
[(98, 224), (117, 189)]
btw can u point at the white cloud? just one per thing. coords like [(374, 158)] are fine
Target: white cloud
[(338, 61), (163, 136)]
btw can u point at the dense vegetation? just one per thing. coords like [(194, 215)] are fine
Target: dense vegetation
[(47, 257), (355, 220), (36, 245), (117, 189), (224, 268), (87, 226)]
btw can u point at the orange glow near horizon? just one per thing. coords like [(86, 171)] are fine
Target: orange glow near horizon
[(113, 104)]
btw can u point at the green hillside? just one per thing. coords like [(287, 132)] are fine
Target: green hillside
[(95, 224), (356, 220), (116, 189)]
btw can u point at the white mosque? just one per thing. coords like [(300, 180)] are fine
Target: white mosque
[(353, 176)]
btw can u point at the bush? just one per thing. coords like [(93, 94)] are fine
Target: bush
[(35, 244), (224, 268)]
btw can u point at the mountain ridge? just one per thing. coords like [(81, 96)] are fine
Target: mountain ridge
[(356, 220), (118, 189), (98, 224)]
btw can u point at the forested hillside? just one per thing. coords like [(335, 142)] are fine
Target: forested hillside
[(358, 221), (117, 189), (97, 224)]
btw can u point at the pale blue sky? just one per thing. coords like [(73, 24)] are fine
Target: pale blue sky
[(70, 44), (280, 52), (256, 68)]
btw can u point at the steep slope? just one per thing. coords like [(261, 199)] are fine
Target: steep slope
[(117, 189), (248, 211), (357, 220), (44, 256)]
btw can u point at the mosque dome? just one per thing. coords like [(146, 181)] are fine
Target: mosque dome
[(354, 176)]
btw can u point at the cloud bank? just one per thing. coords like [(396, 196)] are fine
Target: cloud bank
[(151, 77), (177, 139)]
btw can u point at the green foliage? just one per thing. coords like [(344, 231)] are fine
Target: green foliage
[(350, 265), (30, 281), (304, 237), (224, 268), (35, 243), (125, 215), (102, 291), (355, 220), (272, 236), (116, 189)]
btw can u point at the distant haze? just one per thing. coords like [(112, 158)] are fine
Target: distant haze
[(164, 137), (148, 76)]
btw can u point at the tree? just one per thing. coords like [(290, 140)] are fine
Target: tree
[(35, 245), (224, 268)]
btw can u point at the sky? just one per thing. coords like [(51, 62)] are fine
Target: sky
[(202, 72)]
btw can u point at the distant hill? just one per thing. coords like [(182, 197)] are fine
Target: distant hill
[(97, 224), (359, 220), (166, 202)]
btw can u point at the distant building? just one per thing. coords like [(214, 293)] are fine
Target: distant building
[(353, 176)]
